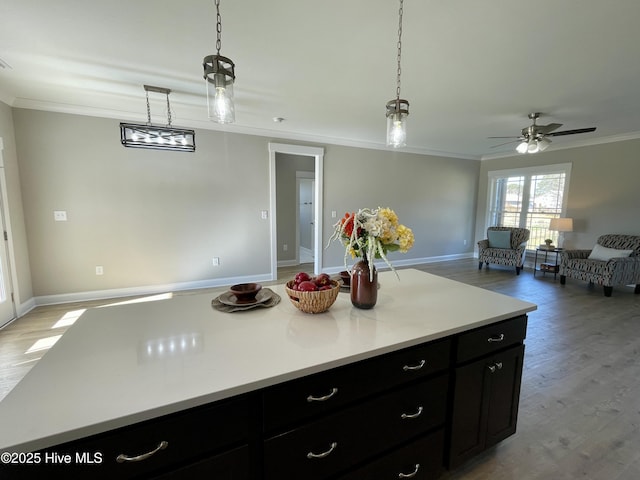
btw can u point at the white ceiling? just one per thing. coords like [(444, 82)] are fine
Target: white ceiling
[(470, 69)]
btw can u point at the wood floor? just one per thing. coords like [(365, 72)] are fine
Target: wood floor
[(580, 400)]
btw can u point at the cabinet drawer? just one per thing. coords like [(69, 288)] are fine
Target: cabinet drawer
[(232, 465), (489, 339), (289, 403), (328, 446), (420, 460), (187, 435)]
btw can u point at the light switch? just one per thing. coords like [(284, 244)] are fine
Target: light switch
[(60, 215)]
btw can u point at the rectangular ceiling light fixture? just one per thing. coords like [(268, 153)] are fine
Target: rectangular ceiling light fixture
[(157, 137)]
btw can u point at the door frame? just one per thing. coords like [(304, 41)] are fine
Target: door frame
[(318, 154), (5, 226)]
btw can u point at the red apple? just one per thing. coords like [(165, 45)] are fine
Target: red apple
[(322, 279), (307, 286), (302, 277)]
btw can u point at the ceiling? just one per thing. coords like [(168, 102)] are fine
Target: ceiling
[(470, 69)]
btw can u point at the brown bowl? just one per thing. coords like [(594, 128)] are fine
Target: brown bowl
[(345, 277), (245, 292)]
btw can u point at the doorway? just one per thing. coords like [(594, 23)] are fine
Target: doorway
[(318, 156)]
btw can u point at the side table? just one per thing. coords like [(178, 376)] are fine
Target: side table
[(544, 265)]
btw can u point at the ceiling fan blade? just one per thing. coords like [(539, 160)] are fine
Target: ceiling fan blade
[(506, 137), (572, 132), (547, 128), (506, 143)]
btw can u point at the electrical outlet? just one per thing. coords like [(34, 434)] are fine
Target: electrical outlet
[(264, 214), (216, 261), (99, 270), (285, 247), (464, 242), (60, 215), (334, 214)]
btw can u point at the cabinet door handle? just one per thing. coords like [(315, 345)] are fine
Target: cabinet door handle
[(323, 454), (408, 416), (492, 368), (496, 338), (499, 365), (422, 363), (311, 398), (410, 475), (124, 458)]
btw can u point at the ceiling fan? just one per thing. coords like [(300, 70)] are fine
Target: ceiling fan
[(533, 139)]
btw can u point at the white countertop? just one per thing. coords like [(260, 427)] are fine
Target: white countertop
[(122, 364)]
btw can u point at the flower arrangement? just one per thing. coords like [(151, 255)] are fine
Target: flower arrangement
[(371, 234)]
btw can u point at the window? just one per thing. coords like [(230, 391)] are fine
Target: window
[(529, 198)]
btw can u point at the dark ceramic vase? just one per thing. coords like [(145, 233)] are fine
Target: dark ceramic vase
[(364, 291)]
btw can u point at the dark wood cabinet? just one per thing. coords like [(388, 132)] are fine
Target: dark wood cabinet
[(404, 414), (213, 437), (421, 459), (486, 389), (292, 402), (334, 443)]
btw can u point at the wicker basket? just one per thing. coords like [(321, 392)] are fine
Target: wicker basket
[(313, 302)]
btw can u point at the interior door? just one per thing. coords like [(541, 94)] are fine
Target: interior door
[(306, 227)]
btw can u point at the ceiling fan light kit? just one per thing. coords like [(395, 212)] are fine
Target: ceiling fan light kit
[(219, 75), (397, 109), (534, 138)]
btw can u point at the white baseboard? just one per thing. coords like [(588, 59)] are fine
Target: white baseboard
[(218, 282), (144, 290), (381, 266), (287, 263)]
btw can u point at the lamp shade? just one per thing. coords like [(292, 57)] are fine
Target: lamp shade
[(561, 224)]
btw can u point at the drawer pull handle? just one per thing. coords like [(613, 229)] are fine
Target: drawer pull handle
[(323, 454), (124, 458), (497, 338), (410, 475), (492, 368), (499, 365), (408, 416), (311, 398), (422, 363)]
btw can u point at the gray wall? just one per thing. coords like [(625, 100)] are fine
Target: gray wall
[(603, 189), (157, 218)]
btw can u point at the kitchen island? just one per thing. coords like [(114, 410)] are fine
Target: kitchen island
[(181, 362)]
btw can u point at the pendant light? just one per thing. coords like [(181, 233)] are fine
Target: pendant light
[(219, 76), (397, 109), (154, 136)]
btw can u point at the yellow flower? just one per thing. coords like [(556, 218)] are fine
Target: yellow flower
[(405, 238)]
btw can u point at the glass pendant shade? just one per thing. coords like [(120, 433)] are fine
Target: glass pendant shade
[(522, 147), (543, 143), (397, 113), (219, 76)]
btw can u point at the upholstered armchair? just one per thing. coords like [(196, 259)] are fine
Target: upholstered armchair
[(614, 260), (503, 246)]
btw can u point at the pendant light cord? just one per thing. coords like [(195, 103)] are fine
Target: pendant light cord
[(400, 12), (218, 26)]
